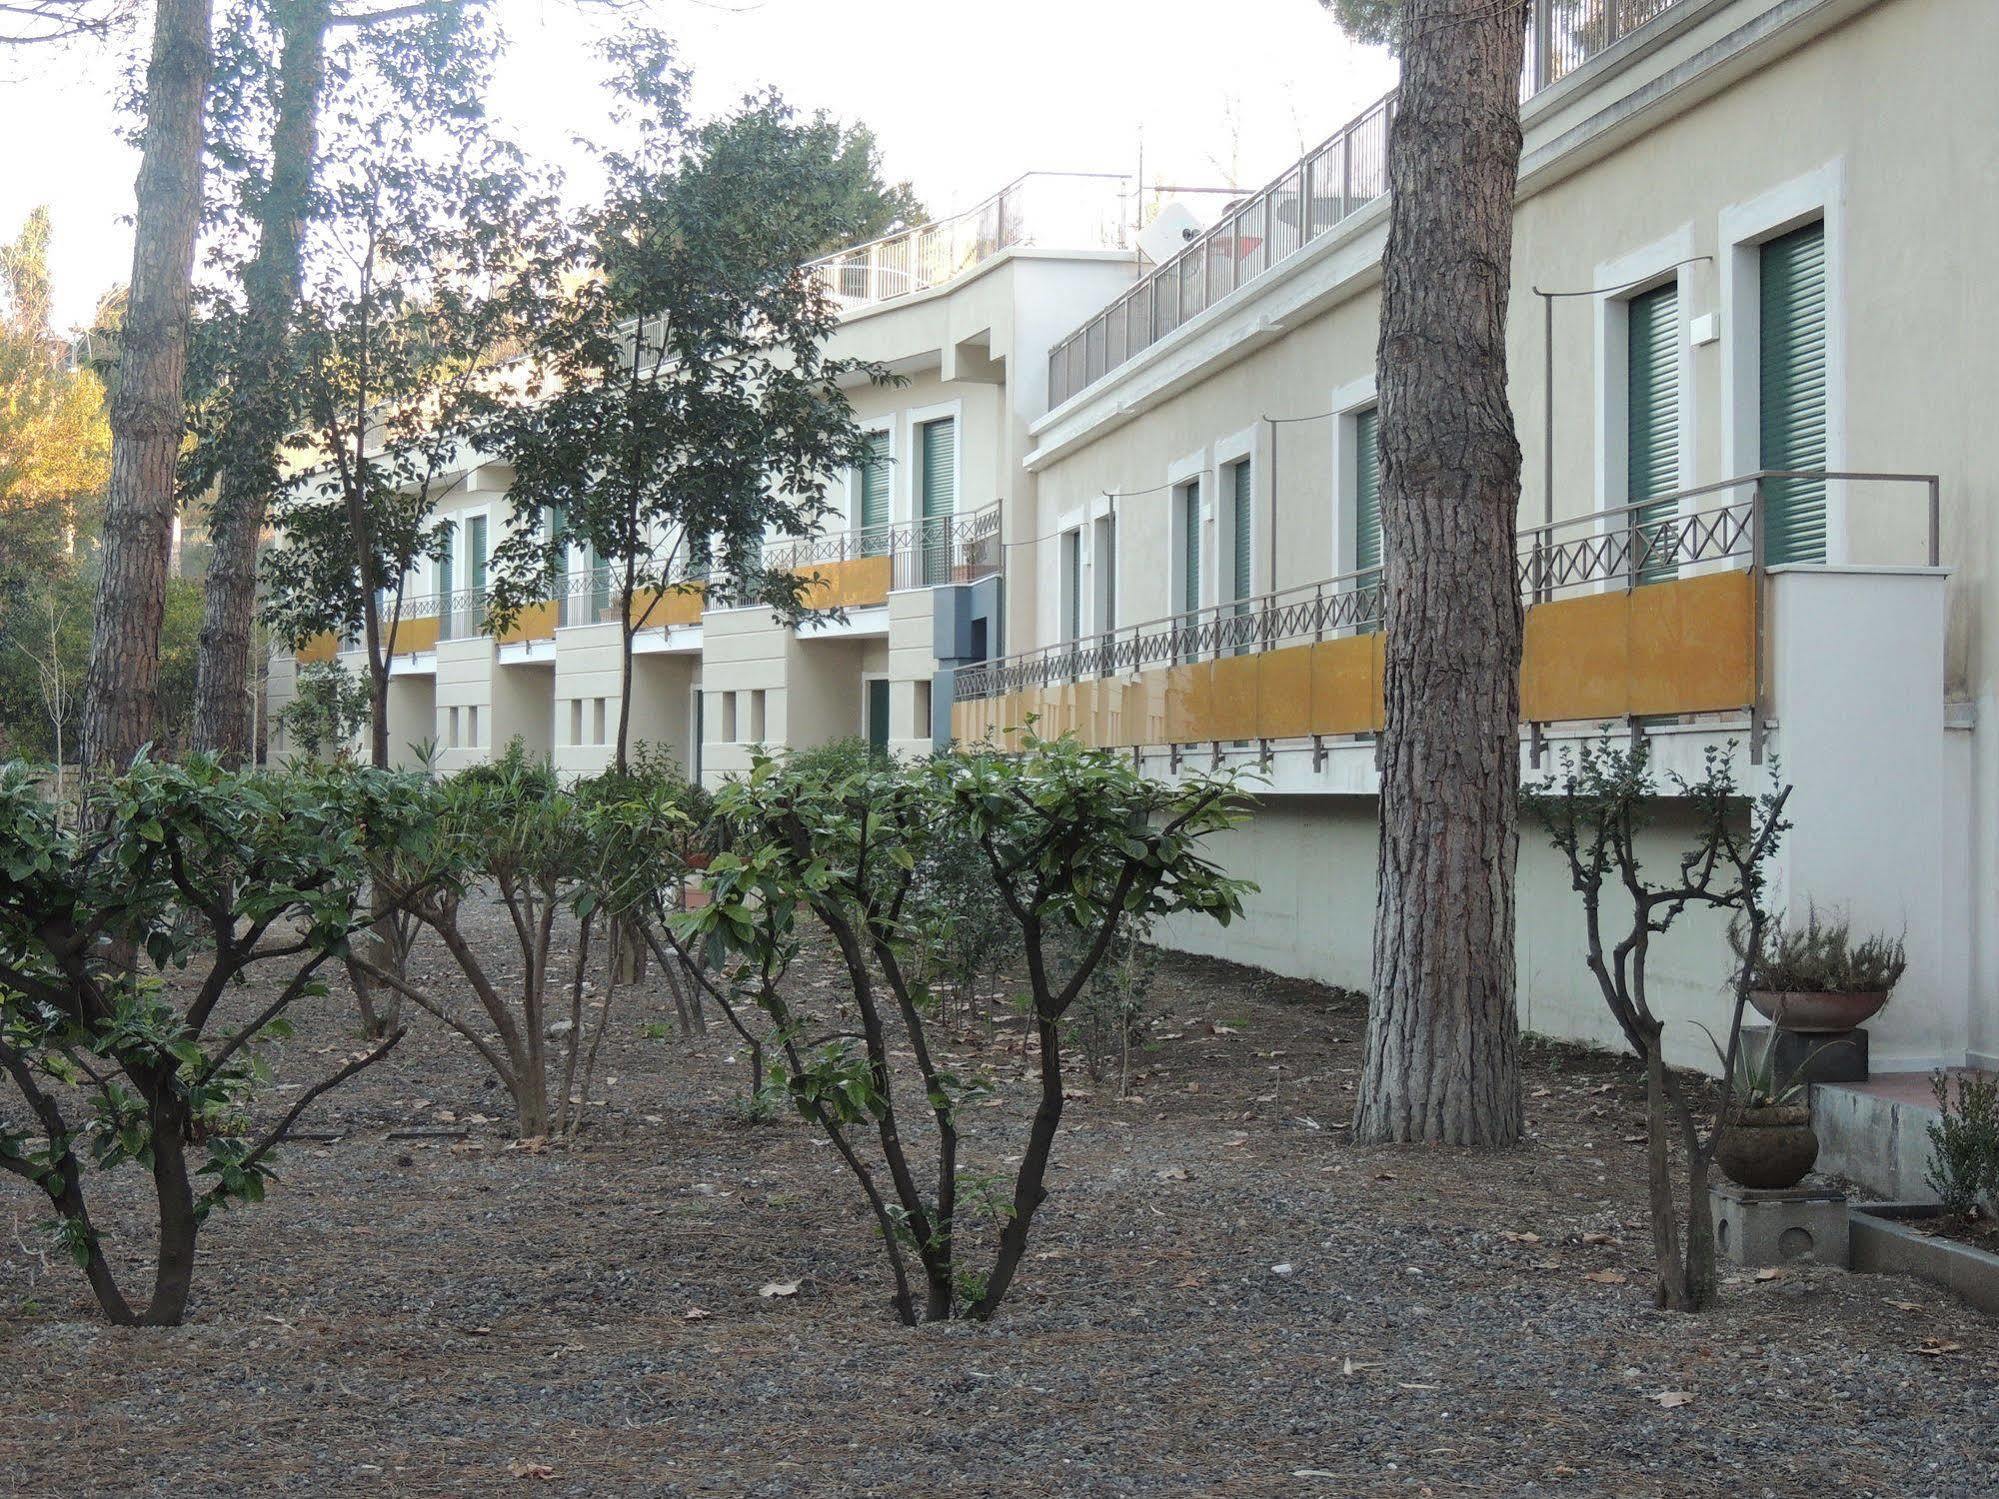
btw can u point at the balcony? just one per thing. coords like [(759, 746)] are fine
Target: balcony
[(1059, 210), (858, 568), (1631, 615), (1307, 200)]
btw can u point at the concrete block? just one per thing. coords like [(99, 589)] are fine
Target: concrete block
[(1875, 1134), (1757, 1229), (1887, 1240)]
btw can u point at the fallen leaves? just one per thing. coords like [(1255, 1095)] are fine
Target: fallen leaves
[(695, 1314), (1170, 1174), (1903, 1306), (1938, 1347), (1609, 1277), (1671, 1399), (1515, 1238), (541, 1472), (777, 1289)]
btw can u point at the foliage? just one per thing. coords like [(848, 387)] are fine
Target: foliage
[(1595, 812), (683, 407), (1821, 957), (122, 937), (1113, 1015), (962, 931), (427, 260), (1375, 22), (1963, 1168), (1076, 841), (328, 709)]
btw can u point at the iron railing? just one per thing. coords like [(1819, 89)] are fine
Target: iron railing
[(1072, 210), (1708, 527), (923, 553), (1320, 190)]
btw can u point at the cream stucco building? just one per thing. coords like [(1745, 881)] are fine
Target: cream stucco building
[(1138, 497)]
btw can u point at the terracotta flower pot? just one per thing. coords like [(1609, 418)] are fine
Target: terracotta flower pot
[(1815, 1013), (1767, 1149)]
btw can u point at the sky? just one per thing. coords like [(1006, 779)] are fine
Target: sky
[(962, 97)]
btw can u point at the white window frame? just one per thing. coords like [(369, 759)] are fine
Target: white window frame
[(1347, 402), (1245, 446), (1178, 474), (1744, 228), (916, 417), (1634, 274), (873, 425)]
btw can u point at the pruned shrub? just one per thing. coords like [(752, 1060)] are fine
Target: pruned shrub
[(1075, 841), (1821, 956), (1963, 1168), (124, 941)]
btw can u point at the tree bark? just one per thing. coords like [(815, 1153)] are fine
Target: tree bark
[(147, 414), (1442, 1062), (222, 707)]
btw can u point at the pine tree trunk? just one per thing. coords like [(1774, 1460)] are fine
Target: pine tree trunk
[(222, 707), (1442, 1062), (147, 414)]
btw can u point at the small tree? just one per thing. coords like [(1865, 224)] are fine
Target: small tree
[(686, 405), (1076, 840), (329, 709), (510, 827), (1595, 811), (122, 940)]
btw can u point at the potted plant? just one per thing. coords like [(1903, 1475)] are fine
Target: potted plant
[(1817, 979), (1766, 1140)]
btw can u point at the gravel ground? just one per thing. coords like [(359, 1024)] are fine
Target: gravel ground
[(1224, 1297)]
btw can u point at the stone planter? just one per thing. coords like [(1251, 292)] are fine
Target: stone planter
[(1816, 1013), (1883, 1243), (1768, 1149)]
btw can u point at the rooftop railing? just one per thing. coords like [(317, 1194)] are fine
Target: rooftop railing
[(1320, 190), (1064, 210), (1709, 528)]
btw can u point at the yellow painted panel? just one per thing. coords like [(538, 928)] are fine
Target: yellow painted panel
[(322, 647), (1346, 684), (1234, 699), (1284, 692), (1186, 702), (535, 622), (1575, 661), (1693, 644), (413, 635), (852, 584)]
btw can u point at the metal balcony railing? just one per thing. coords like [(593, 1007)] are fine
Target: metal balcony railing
[(922, 553), (1066, 210), (1711, 527), (1320, 190)]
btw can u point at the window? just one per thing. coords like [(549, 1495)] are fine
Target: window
[(937, 446), (475, 560), (877, 710), (729, 717), (597, 721), (1105, 572), (1187, 565), (451, 729), (1652, 423), (757, 716), (444, 584), (1242, 491), (1367, 489), (1072, 586), (576, 720), (921, 727), (600, 584), (871, 492), (471, 726), (1791, 391)]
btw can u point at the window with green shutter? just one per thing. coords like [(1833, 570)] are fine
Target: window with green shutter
[(475, 571), (1072, 582), (1241, 502), (1652, 421), (938, 451), (444, 627), (1367, 489), (600, 583), (1792, 392), (1190, 552), (871, 483)]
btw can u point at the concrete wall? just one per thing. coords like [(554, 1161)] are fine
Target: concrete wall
[(588, 689)]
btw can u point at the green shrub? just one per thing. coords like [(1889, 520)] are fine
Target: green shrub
[(1964, 1143)]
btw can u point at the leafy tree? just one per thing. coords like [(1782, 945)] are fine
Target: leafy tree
[(123, 938), (423, 266), (1077, 841), (1595, 812), (1442, 1060), (328, 709), (684, 405), (1376, 22)]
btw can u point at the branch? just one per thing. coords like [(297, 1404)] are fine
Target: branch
[(276, 1136)]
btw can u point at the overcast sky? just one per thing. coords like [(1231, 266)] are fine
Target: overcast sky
[(964, 97)]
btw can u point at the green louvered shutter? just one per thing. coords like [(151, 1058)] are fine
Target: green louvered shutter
[(1367, 489), (600, 584), (475, 572), (1240, 499), (940, 496), (1793, 392), (874, 496), (1190, 552), (1072, 564), (1652, 429)]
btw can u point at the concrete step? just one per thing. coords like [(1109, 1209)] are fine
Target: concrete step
[(1876, 1133)]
